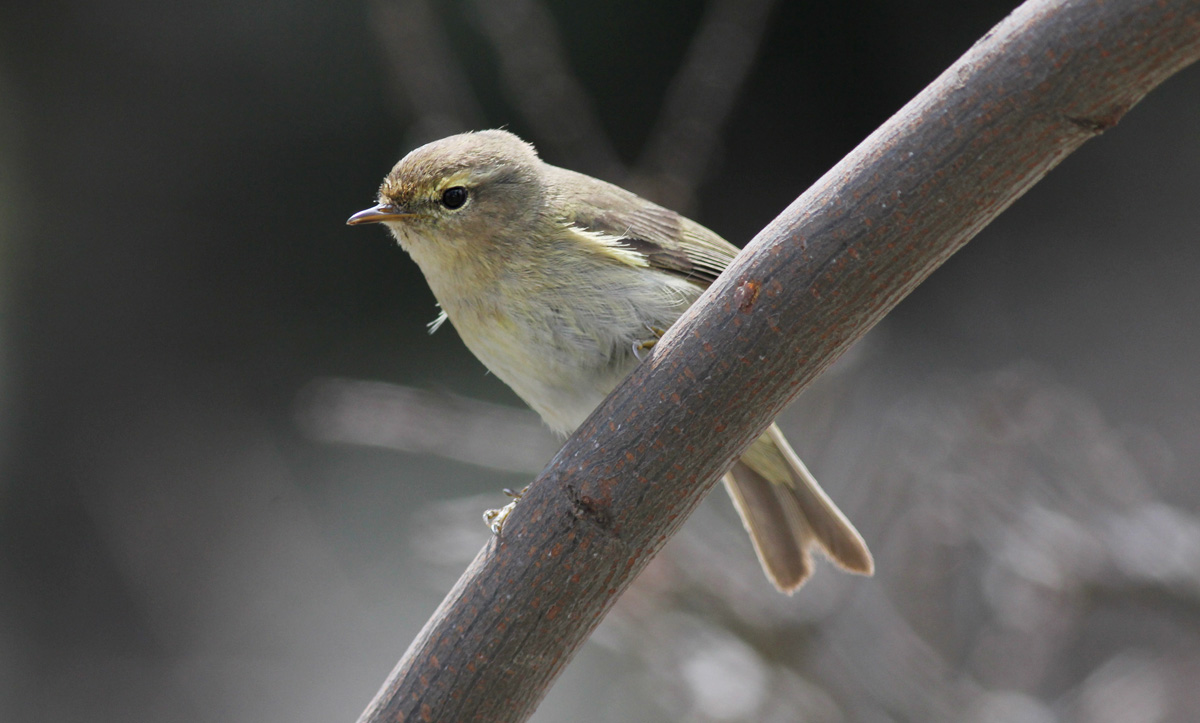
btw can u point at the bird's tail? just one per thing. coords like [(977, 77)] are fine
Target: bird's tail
[(786, 512)]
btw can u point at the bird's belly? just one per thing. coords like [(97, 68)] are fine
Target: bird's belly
[(559, 378), (563, 359)]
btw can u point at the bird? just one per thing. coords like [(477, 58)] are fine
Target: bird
[(560, 282)]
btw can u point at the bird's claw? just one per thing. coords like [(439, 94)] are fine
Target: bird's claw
[(641, 346), (495, 519)]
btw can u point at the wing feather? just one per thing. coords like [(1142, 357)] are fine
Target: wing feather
[(667, 241)]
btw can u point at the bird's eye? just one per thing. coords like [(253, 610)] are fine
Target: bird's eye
[(455, 197)]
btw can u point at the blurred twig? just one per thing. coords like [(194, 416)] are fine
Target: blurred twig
[(536, 71), (411, 420), (538, 77), (701, 96), (427, 75), (812, 283)]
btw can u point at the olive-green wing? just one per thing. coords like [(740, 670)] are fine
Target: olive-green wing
[(666, 240)]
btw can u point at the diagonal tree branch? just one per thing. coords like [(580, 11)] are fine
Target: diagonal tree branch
[(1048, 78)]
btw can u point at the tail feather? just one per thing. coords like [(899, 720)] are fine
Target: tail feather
[(786, 512), (780, 544)]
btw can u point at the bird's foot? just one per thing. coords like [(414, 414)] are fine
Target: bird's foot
[(642, 346), (495, 519)]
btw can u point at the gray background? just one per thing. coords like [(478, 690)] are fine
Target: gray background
[(197, 522)]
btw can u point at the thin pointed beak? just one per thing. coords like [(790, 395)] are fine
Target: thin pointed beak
[(377, 214)]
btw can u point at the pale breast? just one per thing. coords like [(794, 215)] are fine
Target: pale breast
[(565, 351)]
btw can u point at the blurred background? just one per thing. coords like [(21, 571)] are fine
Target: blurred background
[(237, 474)]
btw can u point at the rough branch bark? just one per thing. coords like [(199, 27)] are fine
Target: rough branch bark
[(1048, 78)]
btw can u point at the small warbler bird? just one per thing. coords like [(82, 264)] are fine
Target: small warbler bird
[(558, 281)]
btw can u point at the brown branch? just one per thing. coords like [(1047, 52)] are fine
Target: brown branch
[(1048, 78)]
